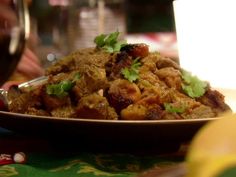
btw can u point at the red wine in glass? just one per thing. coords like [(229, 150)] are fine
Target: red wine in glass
[(13, 39)]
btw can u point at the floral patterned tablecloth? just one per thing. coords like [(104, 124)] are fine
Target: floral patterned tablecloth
[(85, 165), (46, 160)]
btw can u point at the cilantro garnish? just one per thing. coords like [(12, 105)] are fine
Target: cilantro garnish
[(193, 86), (61, 89), (174, 109), (110, 42), (77, 76), (132, 73)]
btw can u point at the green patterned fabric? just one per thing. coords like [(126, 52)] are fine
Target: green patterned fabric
[(86, 165)]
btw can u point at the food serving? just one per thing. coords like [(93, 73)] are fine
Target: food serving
[(118, 81)]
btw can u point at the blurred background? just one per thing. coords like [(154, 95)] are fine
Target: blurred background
[(59, 27)]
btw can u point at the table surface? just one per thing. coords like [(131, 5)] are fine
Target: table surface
[(59, 158)]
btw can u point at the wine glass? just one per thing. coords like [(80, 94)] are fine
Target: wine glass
[(14, 32)]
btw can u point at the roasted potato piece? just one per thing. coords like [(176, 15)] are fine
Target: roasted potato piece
[(142, 112), (134, 112)]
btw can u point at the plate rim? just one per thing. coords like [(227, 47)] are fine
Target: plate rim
[(105, 121)]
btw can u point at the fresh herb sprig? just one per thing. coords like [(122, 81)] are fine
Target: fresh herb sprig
[(132, 73), (174, 109), (62, 88), (110, 42), (192, 85)]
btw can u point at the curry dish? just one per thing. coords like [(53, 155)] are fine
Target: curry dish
[(129, 84)]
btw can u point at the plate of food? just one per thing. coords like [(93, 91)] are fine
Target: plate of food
[(114, 91)]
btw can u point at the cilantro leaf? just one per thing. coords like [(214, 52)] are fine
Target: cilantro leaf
[(109, 42), (132, 73), (100, 40), (169, 107), (62, 88), (77, 76), (192, 85)]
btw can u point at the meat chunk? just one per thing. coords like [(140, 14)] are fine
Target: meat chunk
[(25, 101), (150, 96), (215, 100), (201, 111), (64, 111), (92, 79), (95, 106), (123, 93), (52, 102), (78, 59), (114, 67), (37, 112), (171, 76), (167, 62), (136, 50)]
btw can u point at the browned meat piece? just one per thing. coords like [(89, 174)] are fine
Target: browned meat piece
[(64, 111), (37, 112), (63, 65), (170, 116), (25, 101), (114, 67), (53, 79), (150, 96), (80, 90), (166, 69), (159, 61), (179, 99), (123, 93), (155, 112), (167, 62), (13, 93), (201, 111), (157, 96), (92, 79), (171, 77), (146, 112), (95, 106), (148, 79), (136, 50), (21, 103), (76, 60), (215, 100), (151, 57), (52, 102), (147, 76)]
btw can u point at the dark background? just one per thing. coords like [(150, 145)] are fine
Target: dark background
[(149, 16), (141, 15)]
